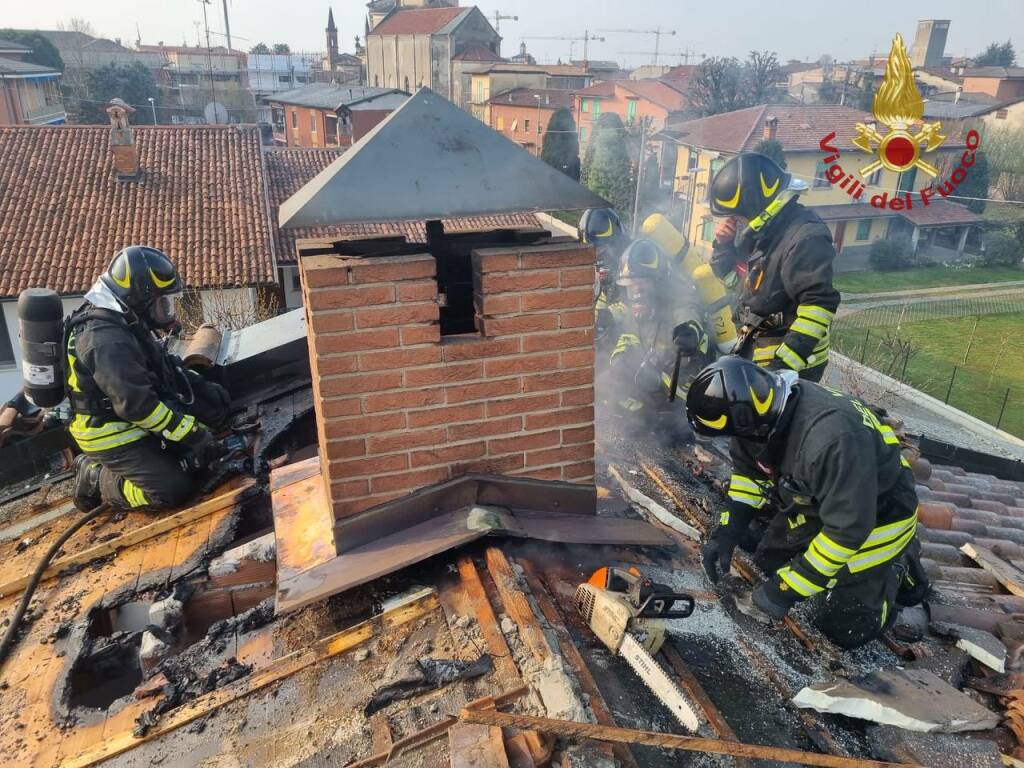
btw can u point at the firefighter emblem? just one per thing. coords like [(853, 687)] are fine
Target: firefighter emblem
[(898, 105)]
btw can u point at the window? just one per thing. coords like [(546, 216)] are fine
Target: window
[(526, 126), (707, 230), (501, 123), (540, 128), (907, 179), (515, 125), (864, 229), (277, 118), (284, 79), (874, 179), (312, 121), (6, 349), (631, 112), (583, 133), (1002, 114), (716, 164), (597, 109), (331, 129), (820, 179), (295, 119), (584, 105)]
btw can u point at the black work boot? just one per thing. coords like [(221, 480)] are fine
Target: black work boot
[(86, 494)]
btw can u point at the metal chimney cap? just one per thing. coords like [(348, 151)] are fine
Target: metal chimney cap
[(431, 160)]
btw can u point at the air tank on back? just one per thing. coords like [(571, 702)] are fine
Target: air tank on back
[(41, 322)]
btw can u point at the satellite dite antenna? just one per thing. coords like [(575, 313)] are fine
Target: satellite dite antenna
[(432, 160)]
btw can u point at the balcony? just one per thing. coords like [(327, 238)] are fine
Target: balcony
[(46, 114)]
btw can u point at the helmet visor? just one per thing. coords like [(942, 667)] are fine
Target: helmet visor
[(165, 310)]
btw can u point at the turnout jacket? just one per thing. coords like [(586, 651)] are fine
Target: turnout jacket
[(830, 462), (120, 383), (787, 290)]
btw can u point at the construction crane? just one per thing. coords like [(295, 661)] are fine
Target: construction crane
[(683, 56), (657, 32), (586, 39), (498, 18)]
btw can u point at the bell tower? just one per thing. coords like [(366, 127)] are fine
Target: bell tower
[(332, 41)]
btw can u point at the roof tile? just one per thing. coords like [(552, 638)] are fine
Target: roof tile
[(417, 21)]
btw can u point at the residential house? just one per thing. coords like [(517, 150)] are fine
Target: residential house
[(932, 80), (500, 77), (288, 170), (630, 100), (414, 47), (29, 93), (75, 195), (196, 79), (523, 114), (328, 114), (959, 112), (83, 53), (702, 146), (1004, 83)]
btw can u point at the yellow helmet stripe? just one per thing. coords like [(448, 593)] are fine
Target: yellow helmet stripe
[(718, 423), (608, 232), (158, 282), (762, 406), (765, 189), (731, 202), (127, 282)]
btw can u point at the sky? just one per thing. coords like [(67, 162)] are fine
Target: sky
[(794, 29)]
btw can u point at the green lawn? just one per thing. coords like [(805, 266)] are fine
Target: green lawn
[(995, 361), (923, 277)]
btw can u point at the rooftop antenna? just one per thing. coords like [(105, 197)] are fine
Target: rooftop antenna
[(209, 61), (227, 25)]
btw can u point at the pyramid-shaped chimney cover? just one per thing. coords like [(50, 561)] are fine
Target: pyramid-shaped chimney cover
[(431, 160)]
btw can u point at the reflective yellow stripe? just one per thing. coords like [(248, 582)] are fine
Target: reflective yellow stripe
[(159, 414), (626, 341), (724, 517), (885, 611), (748, 498), (799, 584), (814, 312), (872, 557), (829, 548), (134, 495), (891, 531), (888, 436), (184, 427), (744, 483), (822, 345), (765, 353), (821, 562), (809, 328), (904, 462), (114, 441), (790, 358)]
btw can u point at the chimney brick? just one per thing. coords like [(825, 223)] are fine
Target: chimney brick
[(400, 407)]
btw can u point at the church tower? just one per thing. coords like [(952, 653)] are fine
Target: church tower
[(332, 41)]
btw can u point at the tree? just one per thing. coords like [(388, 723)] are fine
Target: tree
[(1004, 150), (996, 55), (773, 149), (717, 87), (890, 255), (761, 76), (43, 53), (260, 48), (282, 48), (1001, 249), (132, 83), (561, 147), (609, 171)]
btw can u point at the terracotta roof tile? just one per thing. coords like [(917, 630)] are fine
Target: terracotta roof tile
[(200, 198), (551, 98), (940, 213), (290, 169), (417, 21)]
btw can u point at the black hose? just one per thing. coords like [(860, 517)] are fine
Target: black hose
[(12, 631)]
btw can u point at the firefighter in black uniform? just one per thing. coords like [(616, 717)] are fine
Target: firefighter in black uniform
[(143, 423), (601, 228), (785, 301), (847, 508)]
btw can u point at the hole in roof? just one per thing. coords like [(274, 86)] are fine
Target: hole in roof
[(107, 674)]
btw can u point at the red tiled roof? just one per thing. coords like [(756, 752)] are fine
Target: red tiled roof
[(289, 169), (801, 127), (655, 91), (849, 211), (603, 89), (940, 213), (550, 98), (416, 21), (200, 198)]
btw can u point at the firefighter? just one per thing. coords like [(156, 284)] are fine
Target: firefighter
[(846, 521), (601, 228), (783, 253), (142, 423), (664, 322)]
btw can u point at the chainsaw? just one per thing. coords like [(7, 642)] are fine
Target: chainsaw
[(628, 613)]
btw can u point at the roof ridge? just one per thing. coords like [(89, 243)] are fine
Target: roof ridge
[(753, 127)]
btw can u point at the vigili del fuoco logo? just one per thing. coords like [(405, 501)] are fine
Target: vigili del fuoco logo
[(898, 106)]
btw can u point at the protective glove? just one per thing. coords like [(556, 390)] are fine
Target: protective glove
[(604, 320), (717, 552), (690, 338), (203, 448), (773, 600)]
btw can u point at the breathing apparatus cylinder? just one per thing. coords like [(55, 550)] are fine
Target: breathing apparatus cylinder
[(712, 291), (41, 325)]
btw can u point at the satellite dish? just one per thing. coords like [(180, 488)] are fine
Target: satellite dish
[(215, 113)]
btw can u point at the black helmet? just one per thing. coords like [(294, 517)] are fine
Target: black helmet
[(643, 260), (746, 185), (736, 398), (599, 225), (143, 279)]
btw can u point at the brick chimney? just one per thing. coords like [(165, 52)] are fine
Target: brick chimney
[(400, 406), (122, 141), (771, 128)]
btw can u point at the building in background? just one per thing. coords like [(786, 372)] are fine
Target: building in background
[(29, 93), (342, 67), (523, 114), (630, 100), (493, 79), (1004, 83), (330, 114), (929, 43), (414, 47)]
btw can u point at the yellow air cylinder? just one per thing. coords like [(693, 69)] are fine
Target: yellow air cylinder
[(713, 294), (670, 240)]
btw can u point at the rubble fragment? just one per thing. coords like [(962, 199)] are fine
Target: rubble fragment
[(426, 675), (980, 645), (915, 700)]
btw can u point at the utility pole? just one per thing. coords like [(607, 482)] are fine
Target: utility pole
[(209, 61), (498, 18), (639, 174), (227, 25)]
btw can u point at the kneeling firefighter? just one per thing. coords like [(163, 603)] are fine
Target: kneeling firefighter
[(662, 341), (846, 526), (141, 421), (601, 228), (783, 255)]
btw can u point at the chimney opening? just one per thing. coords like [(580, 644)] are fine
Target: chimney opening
[(122, 141), (771, 127)]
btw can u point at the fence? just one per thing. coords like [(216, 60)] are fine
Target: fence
[(966, 350)]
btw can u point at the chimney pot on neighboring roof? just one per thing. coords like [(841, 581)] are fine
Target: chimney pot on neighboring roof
[(122, 140), (959, 93), (771, 128)]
